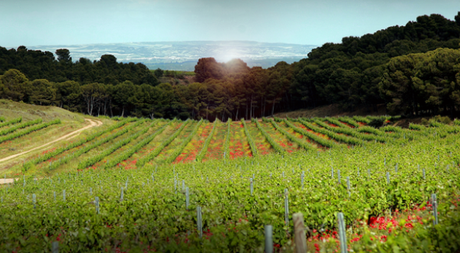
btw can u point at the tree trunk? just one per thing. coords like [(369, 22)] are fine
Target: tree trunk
[(247, 107), (237, 109), (265, 103), (273, 108)]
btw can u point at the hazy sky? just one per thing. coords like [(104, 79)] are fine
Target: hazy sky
[(69, 22)]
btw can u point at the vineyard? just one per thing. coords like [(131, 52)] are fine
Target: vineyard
[(141, 185)]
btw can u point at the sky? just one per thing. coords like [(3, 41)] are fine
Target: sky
[(308, 22)]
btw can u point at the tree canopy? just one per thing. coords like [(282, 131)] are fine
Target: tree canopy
[(412, 69)]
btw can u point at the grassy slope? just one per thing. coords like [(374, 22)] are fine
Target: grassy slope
[(70, 122)]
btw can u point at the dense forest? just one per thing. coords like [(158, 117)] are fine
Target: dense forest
[(412, 69)]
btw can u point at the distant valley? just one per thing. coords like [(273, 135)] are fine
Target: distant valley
[(184, 55)]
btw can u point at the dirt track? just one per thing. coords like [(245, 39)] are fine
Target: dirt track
[(65, 137)]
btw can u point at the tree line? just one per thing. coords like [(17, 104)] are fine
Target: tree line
[(413, 69)]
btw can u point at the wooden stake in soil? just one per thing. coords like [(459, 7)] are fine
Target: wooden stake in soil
[(299, 231)]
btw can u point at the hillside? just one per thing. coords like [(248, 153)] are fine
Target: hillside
[(23, 147), (207, 185)]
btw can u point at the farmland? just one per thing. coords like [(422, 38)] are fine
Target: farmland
[(135, 185)]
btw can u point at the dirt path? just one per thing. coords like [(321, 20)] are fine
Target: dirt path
[(65, 137)]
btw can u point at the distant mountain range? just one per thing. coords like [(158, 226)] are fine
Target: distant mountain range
[(185, 54)]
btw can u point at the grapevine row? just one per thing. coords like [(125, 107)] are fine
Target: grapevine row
[(341, 138), (227, 139), (107, 151), (250, 140), (178, 150), (349, 121), (346, 130), (128, 153), (19, 126), (368, 129), (29, 130), (58, 151), (204, 149), (86, 149), (270, 140), (162, 145), (11, 122), (305, 145), (314, 137), (362, 119)]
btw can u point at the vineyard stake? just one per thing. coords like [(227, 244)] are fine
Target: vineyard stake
[(96, 200), (348, 186), (175, 185), (332, 172), (299, 233), (199, 221), (342, 235), (54, 196), (268, 239), (338, 175), (121, 196), (33, 199), (286, 208), (187, 201), (55, 247), (388, 177), (302, 179), (435, 208), (63, 195), (90, 190), (251, 185), (396, 168), (423, 174)]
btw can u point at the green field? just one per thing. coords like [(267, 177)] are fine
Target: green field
[(241, 175)]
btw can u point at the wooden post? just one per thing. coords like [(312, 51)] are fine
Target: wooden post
[(299, 231)]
